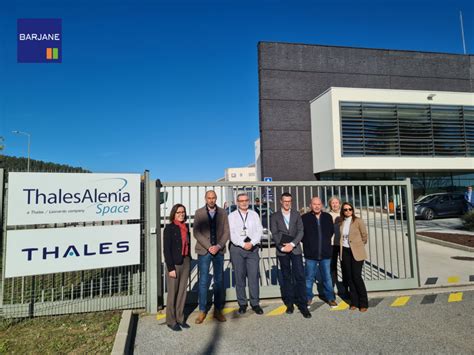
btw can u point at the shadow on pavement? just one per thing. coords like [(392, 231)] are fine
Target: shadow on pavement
[(213, 341)]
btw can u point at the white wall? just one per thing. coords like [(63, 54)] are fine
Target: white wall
[(326, 130)]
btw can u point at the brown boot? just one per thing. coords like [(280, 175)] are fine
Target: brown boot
[(219, 316), (200, 318)]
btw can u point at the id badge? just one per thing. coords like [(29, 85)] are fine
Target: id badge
[(243, 233)]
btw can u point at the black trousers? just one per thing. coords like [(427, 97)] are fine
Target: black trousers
[(293, 286), (352, 271), (344, 290)]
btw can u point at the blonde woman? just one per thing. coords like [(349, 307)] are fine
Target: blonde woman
[(334, 204)]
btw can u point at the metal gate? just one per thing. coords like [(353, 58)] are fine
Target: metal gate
[(385, 206), (79, 291)]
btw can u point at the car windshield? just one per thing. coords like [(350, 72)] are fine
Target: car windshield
[(424, 199)]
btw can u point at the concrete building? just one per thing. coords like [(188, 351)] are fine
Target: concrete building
[(331, 113)]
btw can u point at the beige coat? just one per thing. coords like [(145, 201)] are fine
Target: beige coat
[(357, 239), (202, 231)]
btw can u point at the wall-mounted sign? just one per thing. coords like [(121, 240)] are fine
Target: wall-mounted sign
[(53, 250), (44, 198)]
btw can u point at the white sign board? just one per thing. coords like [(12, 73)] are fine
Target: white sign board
[(52, 250), (44, 198)]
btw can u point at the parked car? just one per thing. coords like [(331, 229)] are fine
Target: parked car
[(264, 212), (445, 204)]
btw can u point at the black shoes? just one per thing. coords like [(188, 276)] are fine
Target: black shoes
[(242, 310), (306, 313), (257, 309), (175, 328), (184, 325), (290, 309)]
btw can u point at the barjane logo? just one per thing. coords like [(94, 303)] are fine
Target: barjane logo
[(39, 40)]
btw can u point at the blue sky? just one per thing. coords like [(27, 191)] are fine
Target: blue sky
[(172, 86)]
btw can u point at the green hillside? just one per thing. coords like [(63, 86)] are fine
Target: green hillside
[(10, 163)]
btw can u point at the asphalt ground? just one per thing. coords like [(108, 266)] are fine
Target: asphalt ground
[(421, 323)]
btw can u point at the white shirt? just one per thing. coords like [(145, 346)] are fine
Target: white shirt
[(345, 232), (286, 218), (254, 229)]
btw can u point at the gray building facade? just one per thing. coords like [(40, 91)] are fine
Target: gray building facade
[(291, 75)]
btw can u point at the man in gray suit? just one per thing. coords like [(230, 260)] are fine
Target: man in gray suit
[(287, 231)]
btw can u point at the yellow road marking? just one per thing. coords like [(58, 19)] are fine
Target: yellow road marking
[(453, 279), (400, 301), (228, 310), (160, 316), (341, 306), (455, 297), (277, 311)]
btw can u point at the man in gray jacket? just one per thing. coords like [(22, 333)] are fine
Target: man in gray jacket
[(211, 230), (287, 232)]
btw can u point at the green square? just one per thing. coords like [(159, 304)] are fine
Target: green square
[(55, 53)]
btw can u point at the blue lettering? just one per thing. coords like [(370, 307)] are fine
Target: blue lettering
[(87, 195), (52, 199), (86, 251), (55, 252), (30, 252), (38, 195), (102, 197), (29, 194), (67, 198), (71, 251), (103, 210), (104, 248), (123, 247)]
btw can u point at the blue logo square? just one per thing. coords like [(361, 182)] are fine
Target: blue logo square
[(39, 40)]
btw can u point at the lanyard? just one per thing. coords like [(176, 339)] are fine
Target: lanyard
[(242, 218)]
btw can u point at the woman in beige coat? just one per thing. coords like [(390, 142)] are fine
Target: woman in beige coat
[(353, 240)]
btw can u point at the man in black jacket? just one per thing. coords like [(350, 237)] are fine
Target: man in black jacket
[(318, 230)]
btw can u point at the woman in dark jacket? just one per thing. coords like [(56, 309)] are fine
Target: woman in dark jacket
[(177, 250)]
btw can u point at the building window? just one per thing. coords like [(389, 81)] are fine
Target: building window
[(233, 175), (371, 129)]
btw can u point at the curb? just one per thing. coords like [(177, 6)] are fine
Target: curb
[(123, 336), (444, 243)]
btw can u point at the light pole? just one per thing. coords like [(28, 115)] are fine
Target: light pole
[(29, 141)]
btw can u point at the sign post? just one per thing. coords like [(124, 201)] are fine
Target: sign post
[(268, 193)]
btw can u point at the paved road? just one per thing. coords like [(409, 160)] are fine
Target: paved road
[(424, 324), (443, 225)]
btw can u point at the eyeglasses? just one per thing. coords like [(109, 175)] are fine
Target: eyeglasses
[(347, 209)]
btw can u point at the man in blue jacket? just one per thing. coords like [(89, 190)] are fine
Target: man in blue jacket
[(318, 230)]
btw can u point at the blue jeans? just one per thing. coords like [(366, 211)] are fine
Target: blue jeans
[(204, 264), (319, 270)]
